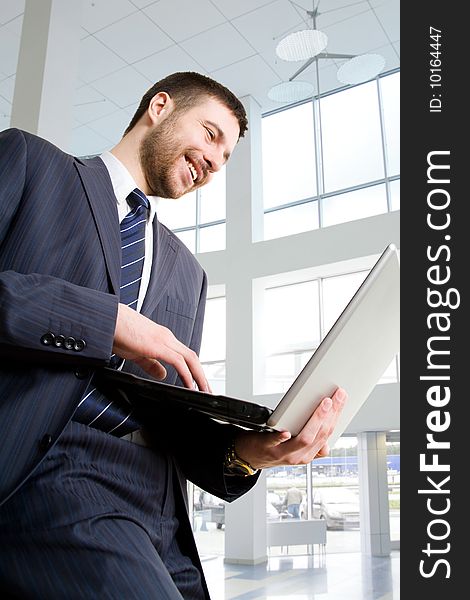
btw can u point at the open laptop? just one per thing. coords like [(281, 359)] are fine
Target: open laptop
[(353, 355)]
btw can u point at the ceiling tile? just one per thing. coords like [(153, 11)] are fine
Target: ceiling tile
[(391, 55), (95, 60), (124, 87), (335, 12), (5, 113), (182, 19), (86, 142), (233, 9), (355, 35), (9, 50), (97, 14), (264, 28), (330, 6), (134, 37), (218, 47), (7, 87), (15, 25), (4, 121), (89, 105), (112, 126), (9, 9), (283, 68), (167, 61), (241, 54), (250, 76), (389, 16), (143, 3)]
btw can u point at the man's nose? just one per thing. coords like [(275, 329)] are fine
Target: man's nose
[(214, 160)]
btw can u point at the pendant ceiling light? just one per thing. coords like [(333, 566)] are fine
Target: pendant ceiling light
[(360, 68), (302, 45), (291, 91), (309, 45)]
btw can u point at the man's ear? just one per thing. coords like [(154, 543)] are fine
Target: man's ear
[(159, 106)]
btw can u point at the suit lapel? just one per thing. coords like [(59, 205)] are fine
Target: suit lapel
[(99, 191), (165, 251)]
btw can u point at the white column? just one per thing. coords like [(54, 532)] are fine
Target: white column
[(46, 76), (245, 527), (244, 220), (373, 494), (245, 184), (245, 519)]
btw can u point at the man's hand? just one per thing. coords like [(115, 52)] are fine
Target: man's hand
[(264, 450), (141, 340)]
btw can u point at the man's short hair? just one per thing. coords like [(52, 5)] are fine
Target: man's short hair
[(187, 89)]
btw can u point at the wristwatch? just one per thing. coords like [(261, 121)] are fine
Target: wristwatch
[(234, 465)]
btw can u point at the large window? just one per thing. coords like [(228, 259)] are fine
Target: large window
[(390, 96), (288, 343), (332, 160), (326, 161), (351, 137), (393, 479), (198, 218), (212, 353), (289, 156), (328, 488)]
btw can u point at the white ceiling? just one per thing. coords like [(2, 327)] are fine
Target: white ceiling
[(127, 45)]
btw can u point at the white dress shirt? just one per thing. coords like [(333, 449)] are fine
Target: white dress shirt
[(123, 184)]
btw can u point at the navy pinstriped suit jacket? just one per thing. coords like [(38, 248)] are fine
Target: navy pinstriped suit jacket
[(59, 273)]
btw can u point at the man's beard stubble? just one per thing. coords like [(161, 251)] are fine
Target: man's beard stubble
[(159, 152)]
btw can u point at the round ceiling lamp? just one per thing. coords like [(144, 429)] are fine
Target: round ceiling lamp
[(291, 91), (361, 68), (302, 45)]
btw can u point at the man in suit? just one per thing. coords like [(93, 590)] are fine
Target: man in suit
[(92, 499)]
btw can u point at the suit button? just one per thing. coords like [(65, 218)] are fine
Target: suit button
[(79, 345), (69, 343), (45, 442), (82, 373), (59, 341), (48, 339)]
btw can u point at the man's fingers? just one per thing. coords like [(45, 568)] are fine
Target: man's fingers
[(152, 367), (187, 365), (312, 428), (139, 339), (314, 436), (191, 370)]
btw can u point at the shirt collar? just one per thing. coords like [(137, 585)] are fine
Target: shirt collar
[(124, 183)]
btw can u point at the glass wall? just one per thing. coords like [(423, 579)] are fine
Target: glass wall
[(289, 343), (327, 489), (308, 184), (325, 162), (213, 343), (198, 218), (332, 160), (393, 479)]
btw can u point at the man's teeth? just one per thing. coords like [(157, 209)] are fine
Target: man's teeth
[(192, 169)]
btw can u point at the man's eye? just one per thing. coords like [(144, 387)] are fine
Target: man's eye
[(210, 133)]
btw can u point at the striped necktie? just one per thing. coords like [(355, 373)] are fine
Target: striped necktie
[(95, 409)]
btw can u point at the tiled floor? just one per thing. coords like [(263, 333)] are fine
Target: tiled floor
[(342, 576)]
